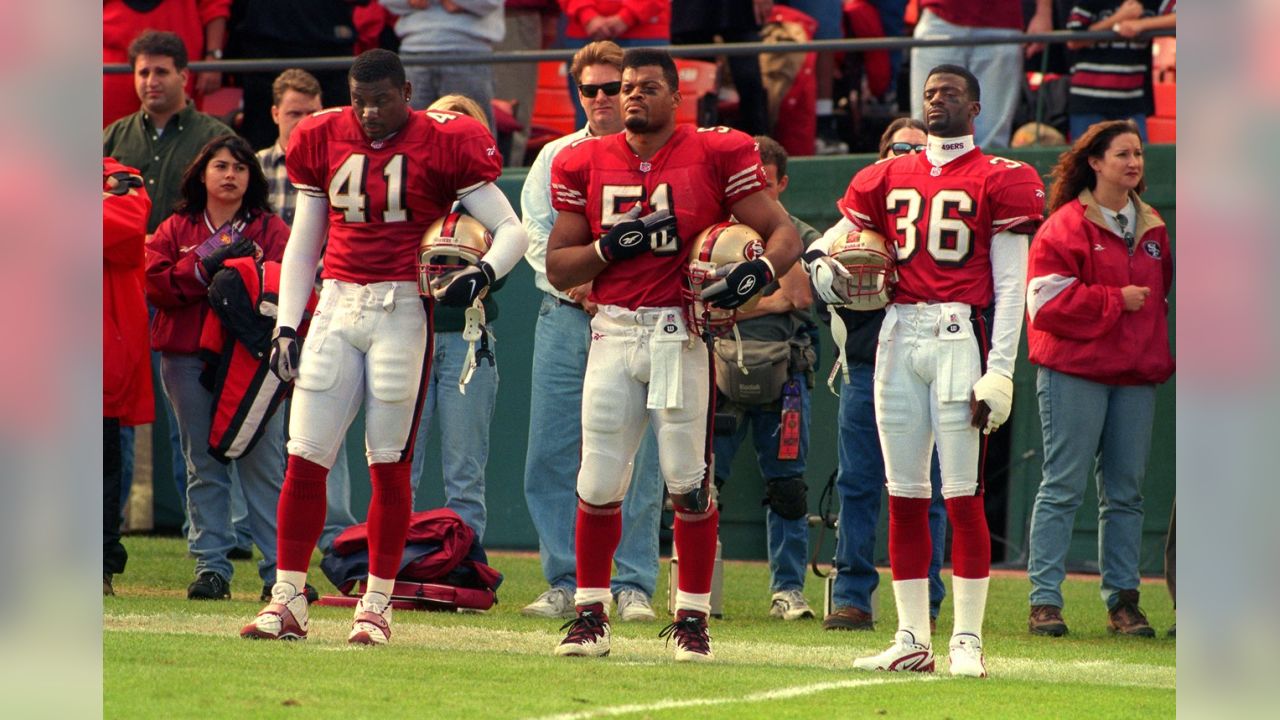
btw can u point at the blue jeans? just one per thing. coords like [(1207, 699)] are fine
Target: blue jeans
[(431, 82), (464, 427), (561, 340), (892, 19), (860, 483), (1080, 122), (209, 481), (1082, 422), (997, 67), (788, 539)]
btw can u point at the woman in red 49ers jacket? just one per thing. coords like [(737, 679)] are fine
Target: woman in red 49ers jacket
[(224, 213), (1098, 280)]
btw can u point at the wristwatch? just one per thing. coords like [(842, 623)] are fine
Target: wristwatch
[(215, 54)]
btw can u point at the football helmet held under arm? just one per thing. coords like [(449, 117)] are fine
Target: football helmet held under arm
[(454, 242), (719, 246)]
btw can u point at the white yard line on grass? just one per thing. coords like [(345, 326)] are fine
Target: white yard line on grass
[(329, 634), (766, 696)]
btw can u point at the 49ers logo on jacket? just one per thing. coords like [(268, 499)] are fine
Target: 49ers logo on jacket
[(1153, 248)]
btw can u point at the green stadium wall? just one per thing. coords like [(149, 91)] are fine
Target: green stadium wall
[(816, 183)]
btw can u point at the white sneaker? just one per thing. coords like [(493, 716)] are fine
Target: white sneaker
[(905, 655), (372, 624), (790, 605), (633, 606), (966, 656), (284, 618), (554, 603)]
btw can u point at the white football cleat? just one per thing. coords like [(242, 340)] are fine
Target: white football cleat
[(904, 655), (284, 618), (693, 640), (588, 633), (966, 656), (371, 626)]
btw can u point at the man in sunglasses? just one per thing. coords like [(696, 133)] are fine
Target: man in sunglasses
[(562, 337), (629, 206)]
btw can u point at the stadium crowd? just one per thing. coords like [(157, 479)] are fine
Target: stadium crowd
[(295, 263)]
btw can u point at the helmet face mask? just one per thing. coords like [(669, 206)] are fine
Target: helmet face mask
[(453, 242), (717, 247), (872, 266)]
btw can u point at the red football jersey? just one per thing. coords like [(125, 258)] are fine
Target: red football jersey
[(943, 224), (698, 175), (383, 195)]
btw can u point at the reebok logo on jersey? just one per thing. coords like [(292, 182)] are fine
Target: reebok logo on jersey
[(1098, 247), (631, 239)]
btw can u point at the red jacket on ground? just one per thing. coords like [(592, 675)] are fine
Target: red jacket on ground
[(173, 287), (126, 360), (1077, 322)]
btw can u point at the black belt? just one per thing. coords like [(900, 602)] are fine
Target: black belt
[(569, 303)]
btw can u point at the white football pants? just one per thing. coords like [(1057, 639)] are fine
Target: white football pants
[(370, 344), (926, 364), (639, 360)]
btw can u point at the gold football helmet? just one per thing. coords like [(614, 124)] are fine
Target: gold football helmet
[(451, 243), (718, 246), (872, 265)]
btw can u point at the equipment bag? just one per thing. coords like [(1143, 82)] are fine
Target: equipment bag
[(759, 379)]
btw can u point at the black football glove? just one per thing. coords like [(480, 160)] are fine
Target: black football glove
[(460, 288), (738, 283), (212, 262), (284, 353), (636, 235)]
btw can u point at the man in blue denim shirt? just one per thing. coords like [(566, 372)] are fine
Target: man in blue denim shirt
[(561, 341)]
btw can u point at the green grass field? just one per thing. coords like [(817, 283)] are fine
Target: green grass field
[(166, 657)]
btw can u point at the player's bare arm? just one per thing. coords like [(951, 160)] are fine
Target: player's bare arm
[(571, 258), (767, 217)]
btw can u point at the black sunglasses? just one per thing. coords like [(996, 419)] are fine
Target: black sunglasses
[(609, 88), (901, 148)]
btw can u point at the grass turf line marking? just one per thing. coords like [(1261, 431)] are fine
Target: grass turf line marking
[(329, 634), (765, 696)]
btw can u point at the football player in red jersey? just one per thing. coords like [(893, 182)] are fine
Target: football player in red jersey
[(961, 221), (373, 176), (629, 205)]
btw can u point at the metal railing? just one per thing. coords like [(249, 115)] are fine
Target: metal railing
[(685, 51)]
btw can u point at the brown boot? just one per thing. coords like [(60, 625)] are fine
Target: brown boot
[(1126, 618), (1046, 620), (848, 618)]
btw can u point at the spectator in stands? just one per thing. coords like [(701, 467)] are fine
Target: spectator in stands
[(223, 198), (861, 477), (463, 415), (160, 140), (998, 67), (202, 25), (296, 94), (527, 23), (627, 23), (561, 340), (1112, 80), (701, 21), (446, 29), (893, 21), (127, 398), (827, 13), (1098, 278), (772, 402), (289, 29)]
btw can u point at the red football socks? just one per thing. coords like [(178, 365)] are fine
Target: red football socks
[(695, 542), (596, 538), (910, 546), (300, 514), (971, 540), (389, 510)]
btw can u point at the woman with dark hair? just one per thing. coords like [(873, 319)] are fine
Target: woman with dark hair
[(223, 214), (1098, 277), (904, 136)]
